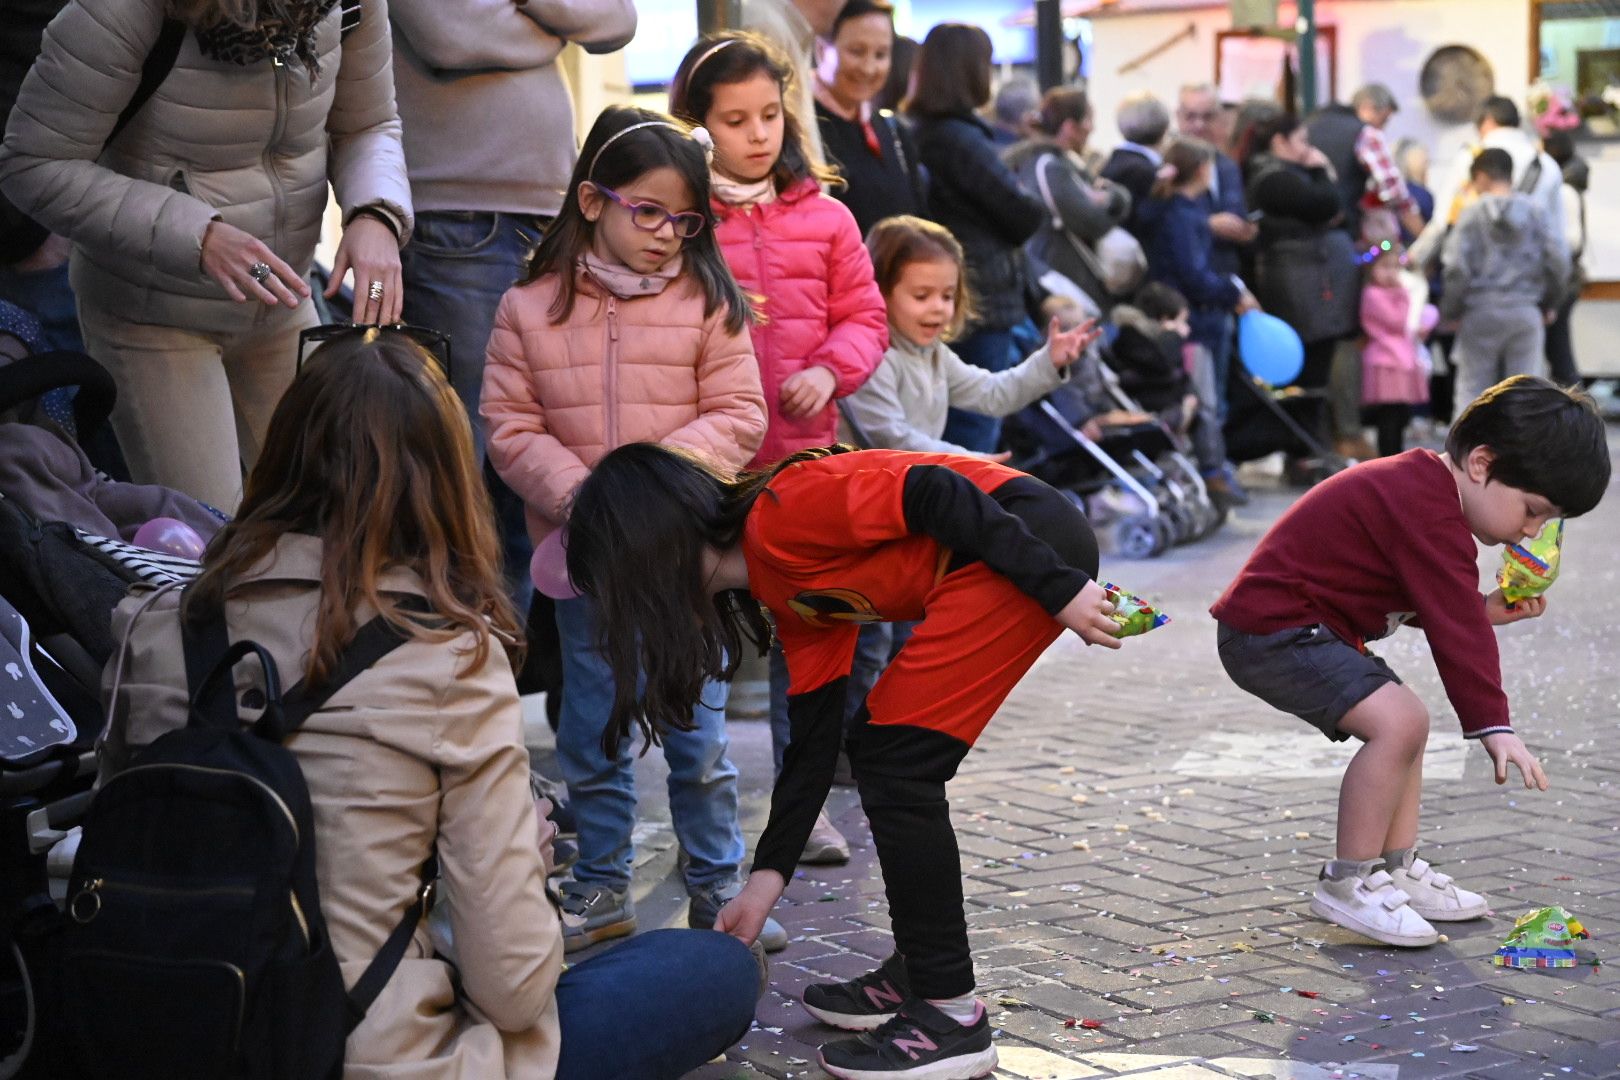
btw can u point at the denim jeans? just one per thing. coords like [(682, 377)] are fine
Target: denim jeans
[(455, 270), (875, 647), (993, 350), (691, 993), (1212, 328), (702, 779)]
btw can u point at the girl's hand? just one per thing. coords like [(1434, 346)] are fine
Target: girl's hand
[(1506, 747), (1502, 613), (744, 916), (229, 256), (1000, 459), (805, 393), (548, 834), (1087, 615), (371, 250), (1066, 346), (1246, 303)]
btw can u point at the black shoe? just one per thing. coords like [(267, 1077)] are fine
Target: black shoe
[(860, 1004), (918, 1043)]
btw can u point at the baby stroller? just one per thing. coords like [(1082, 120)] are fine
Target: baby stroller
[(1262, 420)]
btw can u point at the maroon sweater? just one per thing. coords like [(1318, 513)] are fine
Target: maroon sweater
[(1373, 547)]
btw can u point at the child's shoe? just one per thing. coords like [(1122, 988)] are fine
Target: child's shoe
[(592, 913), (860, 1004), (706, 905), (918, 1043), (1434, 895), (1370, 904), (826, 846)]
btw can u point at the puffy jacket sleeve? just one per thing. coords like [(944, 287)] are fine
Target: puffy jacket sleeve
[(508, 937), (878, 409), (367, 163), (857, 320), (88, 67), (532, 461), (730, 423)]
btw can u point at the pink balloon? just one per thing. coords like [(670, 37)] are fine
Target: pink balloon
[(549, 567), (171, 536)]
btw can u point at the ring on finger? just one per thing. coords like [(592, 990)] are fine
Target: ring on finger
[(375, 291), (259, 272)]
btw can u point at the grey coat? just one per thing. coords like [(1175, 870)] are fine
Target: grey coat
[(1502, 253), (1051, 174)]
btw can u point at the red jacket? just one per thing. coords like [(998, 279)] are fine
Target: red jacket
[(802, 253)]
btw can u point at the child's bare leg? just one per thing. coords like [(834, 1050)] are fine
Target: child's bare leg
[(1403, 829), (1383, 779)]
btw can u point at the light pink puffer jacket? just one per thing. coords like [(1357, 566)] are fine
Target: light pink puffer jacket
[(558, 396)]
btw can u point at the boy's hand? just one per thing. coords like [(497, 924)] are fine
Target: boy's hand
[(1065, 346), (744, 916), (805, 393), (1505, 747), (1502, 613), (1087, 615)]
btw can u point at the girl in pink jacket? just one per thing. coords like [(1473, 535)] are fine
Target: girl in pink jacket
[(627, 328), (1394, 369)]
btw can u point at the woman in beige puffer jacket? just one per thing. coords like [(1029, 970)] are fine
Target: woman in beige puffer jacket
[(193, 229)]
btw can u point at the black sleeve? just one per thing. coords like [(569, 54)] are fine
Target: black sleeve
[(1307, 195), (943, 504), (816, 725), (978, 175)]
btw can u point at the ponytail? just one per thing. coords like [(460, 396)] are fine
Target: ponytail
[(1181, 163)]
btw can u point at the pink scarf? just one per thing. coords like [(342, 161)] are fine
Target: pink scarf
[(625, 283)]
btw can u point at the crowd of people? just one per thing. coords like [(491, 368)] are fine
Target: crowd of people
[(647, 346)]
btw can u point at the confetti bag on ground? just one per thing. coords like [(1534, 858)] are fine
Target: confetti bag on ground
[(1530, 568), (1544, 938), (1133, 614)]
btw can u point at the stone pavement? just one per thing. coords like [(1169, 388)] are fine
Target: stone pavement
[(1139, 840)]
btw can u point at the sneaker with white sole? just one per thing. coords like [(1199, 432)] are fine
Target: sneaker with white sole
[(863, 1003), (705, 906), (1434, 895), (918, 1043), (593, 913), (826, 846), (1372, 906)]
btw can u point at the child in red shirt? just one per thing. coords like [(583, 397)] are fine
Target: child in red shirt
[(1392, 542), (994, 563)]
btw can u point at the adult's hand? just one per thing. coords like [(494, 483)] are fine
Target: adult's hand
[(229, 256), (371, 250), (1233, 228)]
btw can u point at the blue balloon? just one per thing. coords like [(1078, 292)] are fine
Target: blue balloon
[(1270, 348)]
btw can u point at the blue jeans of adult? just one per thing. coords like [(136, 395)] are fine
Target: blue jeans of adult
[(692, 992), (456, 268), (702, 779), (1213, 328), (993, 350)]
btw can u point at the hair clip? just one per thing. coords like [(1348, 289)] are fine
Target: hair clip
[(1383, 247), (701, 136), (1166, 171)]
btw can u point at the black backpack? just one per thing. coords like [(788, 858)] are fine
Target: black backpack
[(195, 945)]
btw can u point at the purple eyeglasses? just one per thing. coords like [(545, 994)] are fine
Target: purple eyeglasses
[(650, 217)]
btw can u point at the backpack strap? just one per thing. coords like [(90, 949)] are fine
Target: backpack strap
[(374, 641), (381, 969), (204, 641), (159, 62)]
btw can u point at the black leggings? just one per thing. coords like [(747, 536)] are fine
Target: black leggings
[(1391, 421)]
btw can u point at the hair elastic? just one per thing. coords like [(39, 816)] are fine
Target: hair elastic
[(627, 130)]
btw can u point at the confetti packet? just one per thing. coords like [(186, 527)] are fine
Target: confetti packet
[(1530, 568), (1133, 614), (1544, 938)]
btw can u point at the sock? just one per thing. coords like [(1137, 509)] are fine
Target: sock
[(964, 1009), (1396, 858), (1340, 869)]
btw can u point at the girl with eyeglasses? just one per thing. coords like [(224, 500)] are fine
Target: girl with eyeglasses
[(627, 328)]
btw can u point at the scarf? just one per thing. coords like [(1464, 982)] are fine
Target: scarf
[(285, 32), (625, 283), (740, 194)]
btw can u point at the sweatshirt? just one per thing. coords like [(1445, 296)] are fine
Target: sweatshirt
[(1379, 545), (1502, 253)]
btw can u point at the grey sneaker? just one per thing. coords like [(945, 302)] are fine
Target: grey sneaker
[(592, 913), (706, 904), (826, 846)]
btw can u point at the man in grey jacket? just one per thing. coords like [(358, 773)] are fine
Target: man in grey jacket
[(1505, 273)]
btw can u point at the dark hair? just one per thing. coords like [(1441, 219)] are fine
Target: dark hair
[(1494, 163), (1544, 438), (1501, 111), (1184, 158), (953, 71), (636, 536), (1062, 103), (1560, 147), (901, 64), (1266, 127), (664, 143), (735, 56), (1250, 112), (898, 241), (855, 9), (1159, 301)]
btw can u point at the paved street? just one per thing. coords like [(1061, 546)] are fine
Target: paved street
[(1139, 841)]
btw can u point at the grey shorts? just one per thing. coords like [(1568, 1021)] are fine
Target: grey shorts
[(1307, 670)]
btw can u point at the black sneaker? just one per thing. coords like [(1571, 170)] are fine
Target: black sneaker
[(860, 1004), (918, 1043)]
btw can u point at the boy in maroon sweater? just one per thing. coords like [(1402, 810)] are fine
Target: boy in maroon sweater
[(1392, 542)]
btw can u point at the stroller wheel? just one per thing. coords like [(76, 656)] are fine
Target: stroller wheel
[(1141, 537), (17, 1017)]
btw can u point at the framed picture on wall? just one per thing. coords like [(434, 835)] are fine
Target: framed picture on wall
[(1250, 64)]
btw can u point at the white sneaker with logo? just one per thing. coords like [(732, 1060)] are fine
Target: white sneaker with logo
[(1435, 896), (1372, 906)]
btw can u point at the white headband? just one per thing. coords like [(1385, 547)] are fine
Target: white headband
[(697, 135), (710, 52)]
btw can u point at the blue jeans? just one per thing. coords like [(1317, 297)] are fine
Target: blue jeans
[(1213, 328), (702, 779), (691, 992), (993, 350), (455, 270)]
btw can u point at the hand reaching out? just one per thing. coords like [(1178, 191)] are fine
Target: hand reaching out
[(1088, 615), (744, 915), (805, 393), (1507, 748), (1066, 346)]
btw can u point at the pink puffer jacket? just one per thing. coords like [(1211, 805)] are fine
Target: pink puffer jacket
[(558, 396), (803, 253)]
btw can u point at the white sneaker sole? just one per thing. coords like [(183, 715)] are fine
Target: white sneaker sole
[(966, 1067), (823, 855), (1323, 909), (848, 1021)]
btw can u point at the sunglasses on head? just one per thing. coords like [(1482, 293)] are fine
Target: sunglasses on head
[(435, 342)]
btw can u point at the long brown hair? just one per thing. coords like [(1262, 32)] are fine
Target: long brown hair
[(370, 450), (952, 75)]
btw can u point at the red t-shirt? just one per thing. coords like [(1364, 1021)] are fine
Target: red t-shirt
[(1373, 547)]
